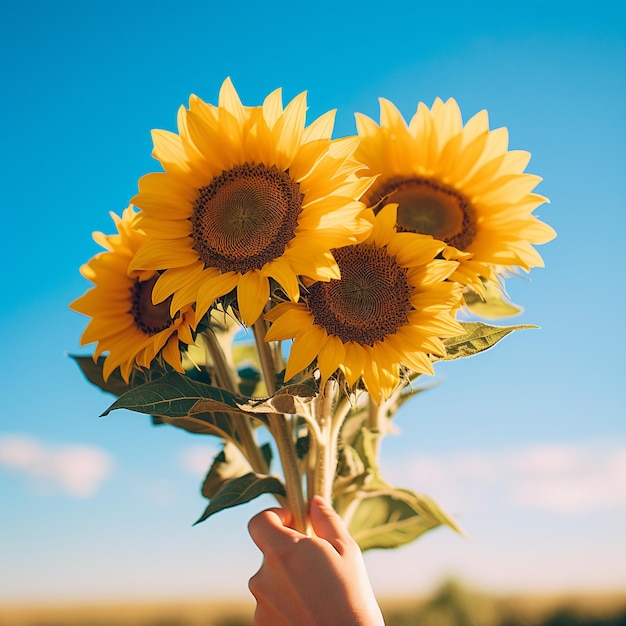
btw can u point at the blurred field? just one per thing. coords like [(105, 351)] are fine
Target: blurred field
[(214, 613), (451, 605)]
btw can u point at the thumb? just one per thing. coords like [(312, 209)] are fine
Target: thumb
[(328, 525), (271, 528)]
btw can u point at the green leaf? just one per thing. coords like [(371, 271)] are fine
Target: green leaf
[(367, 446), (115, 384), (217, 424), (228, 464), (357, 469), (185, 403), (352, 425), (389, 518), (174, 396), (478, 337), (493, 306), (292, 399), (241, 490), (266, 451), (303, 445), (350, 478), (249, 380)]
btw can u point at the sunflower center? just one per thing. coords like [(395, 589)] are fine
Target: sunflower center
[(370, 301), (149, 318), (430, 208), (245, 217)]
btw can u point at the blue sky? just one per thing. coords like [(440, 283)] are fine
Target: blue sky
[(525, 444)]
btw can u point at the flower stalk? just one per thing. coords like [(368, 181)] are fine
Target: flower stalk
[(326, 446), (225, 379), (281, 430)]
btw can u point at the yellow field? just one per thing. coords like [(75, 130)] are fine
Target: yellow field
[(181, 613), (450, 606)]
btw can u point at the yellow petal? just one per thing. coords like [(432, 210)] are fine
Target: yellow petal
[(273, 107), (171, 353), (253, 291), (159, 254), (476, 125), (321, 128), (412, 249), (390, 117), (160, 228), (280, 271), (384, 225), (229, 99), (304, 349), (434, 271), (365, 125), (183, 283), (287, 320), (513, 187), (330, 358), (354, 362), (169, 150), (173, 192), (293, 127), (214, 288), (419, 362), (447, 118)]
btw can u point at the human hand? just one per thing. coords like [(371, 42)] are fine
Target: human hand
[(310, 581)]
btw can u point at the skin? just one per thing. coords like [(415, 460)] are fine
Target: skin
[(317, 580)]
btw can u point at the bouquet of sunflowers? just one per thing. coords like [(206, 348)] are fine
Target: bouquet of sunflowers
[(351, 262)]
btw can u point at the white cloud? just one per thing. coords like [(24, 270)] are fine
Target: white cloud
[(572, 480), (567, 479), (197, 459), (76, 470)]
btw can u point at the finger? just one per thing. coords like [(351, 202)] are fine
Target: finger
[(328, 525), (271, 527)]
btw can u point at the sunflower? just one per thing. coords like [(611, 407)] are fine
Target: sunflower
[(457, 183), (248, 194), (389, 310), (125, 323)]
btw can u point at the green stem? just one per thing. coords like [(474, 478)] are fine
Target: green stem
[(326, 457), (265, 356), (287, 453), (341, 412), (225, 379), (311, 464), (282, 433), (375, 415)]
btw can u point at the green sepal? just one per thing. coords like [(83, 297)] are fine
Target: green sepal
[(389, 517), (477, 338), (241, 490)]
